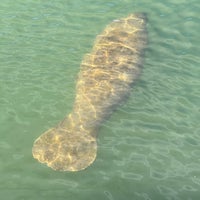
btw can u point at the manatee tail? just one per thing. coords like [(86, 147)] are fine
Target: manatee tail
[(63, 150)]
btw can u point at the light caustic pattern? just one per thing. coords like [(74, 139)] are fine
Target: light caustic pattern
[(105, 78)]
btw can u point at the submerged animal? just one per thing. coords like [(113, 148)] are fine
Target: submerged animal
[(105, 79)]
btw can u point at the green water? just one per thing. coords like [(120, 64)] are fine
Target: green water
[(149, 149)]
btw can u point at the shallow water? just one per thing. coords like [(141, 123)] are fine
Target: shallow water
[(149, 149)]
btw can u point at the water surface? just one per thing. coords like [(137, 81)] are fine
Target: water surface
[(148, 149)]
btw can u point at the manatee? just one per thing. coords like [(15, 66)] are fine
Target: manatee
[(104, 81)]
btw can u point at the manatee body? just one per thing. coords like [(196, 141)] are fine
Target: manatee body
[(105, 78)]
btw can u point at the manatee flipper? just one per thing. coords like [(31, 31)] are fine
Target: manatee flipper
[(105, 79)]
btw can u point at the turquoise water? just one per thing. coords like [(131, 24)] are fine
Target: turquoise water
[(149, 149)]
